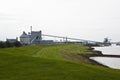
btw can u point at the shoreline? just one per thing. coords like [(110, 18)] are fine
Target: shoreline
[(97, 54), (93, 62)]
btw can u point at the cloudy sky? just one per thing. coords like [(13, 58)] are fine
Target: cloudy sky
[(84, 19)]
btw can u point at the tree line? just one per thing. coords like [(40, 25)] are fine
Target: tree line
[(7, 44)]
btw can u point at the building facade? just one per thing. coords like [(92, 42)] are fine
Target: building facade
[(25, 39), (35, 37)]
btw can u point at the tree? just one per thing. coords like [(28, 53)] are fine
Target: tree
[(2, 44), (17, 44), (8, 44)]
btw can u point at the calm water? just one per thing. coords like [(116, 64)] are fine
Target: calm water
[(111, 62), (110, 50)]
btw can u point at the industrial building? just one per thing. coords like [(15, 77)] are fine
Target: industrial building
[(35, 37), (12, 40)]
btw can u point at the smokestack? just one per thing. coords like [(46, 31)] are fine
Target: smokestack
[(31, 28)]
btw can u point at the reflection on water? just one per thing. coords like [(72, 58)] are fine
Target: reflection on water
[(109, 61)]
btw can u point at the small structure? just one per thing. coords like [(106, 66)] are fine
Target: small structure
[(118, 43), (12, 40)]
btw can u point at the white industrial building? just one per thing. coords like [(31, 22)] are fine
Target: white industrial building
[(35, 37), (25, 39)]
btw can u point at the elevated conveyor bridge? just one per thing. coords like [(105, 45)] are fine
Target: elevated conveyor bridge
[(76, 40)]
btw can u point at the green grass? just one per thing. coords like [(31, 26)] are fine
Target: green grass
[(51, 62)]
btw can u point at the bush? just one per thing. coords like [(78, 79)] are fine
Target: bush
[(2, 44), (8, 44), (17, 44)]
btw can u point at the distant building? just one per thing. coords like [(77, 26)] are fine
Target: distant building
[(12, 40), (47, 41), (106, 42), (35, 37), (118, 43), (25, 39)]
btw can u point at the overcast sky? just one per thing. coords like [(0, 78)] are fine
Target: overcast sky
[(85, 19)]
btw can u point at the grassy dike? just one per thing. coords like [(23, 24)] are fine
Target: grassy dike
[(52, 62)]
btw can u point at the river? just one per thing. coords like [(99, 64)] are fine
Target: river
[(111, 62)]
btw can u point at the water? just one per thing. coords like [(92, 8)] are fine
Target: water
[(111, 62), (110, 50), (108, 61)]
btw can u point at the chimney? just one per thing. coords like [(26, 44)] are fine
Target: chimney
[(31, 28)]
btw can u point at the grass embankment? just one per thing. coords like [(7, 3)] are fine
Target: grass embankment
[(51, 62)]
